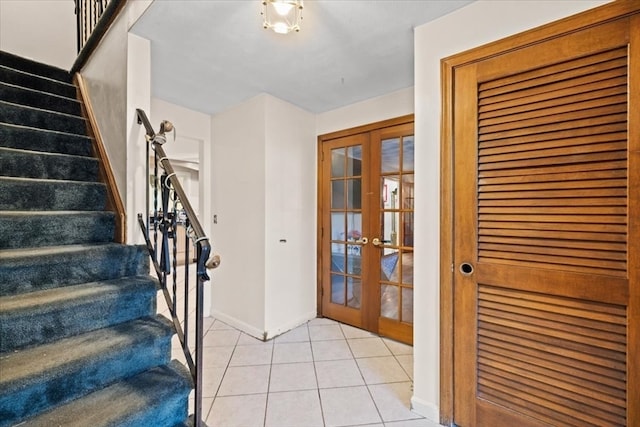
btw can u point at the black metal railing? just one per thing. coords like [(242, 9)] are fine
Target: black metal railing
[(171, 210), (88, 13), (93, 19)]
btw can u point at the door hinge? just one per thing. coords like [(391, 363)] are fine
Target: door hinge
[(322, 156)]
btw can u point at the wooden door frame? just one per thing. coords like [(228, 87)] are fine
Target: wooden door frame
[(409, 118), (609, 12)]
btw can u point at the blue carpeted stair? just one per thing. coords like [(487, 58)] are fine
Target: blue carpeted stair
[(80, 341)]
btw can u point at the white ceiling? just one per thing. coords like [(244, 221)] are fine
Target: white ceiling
[(211, 55)]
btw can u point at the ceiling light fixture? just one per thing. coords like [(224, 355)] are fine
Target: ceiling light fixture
[(282, 16)]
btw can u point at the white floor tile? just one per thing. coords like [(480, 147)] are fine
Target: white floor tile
[(413, 423), (351, 332), (348, 406), (238, 411), (338, 373), (325, 332), (217, 356), (211, 379), (393, 401), (251, 355), (299, 334), (245, 380), (406, 361), (207, 402), (220, 325), (368, 347), (246, 339), (294, 409), (322, 321), (220, 337), (331, 350), (378, 370), (322, 373), (398, 348), (292, 352), (292, 376)]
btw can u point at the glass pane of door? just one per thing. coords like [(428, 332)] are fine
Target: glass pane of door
[(396, 229), (346, 226)]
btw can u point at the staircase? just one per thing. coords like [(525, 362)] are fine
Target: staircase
[(80, 341)]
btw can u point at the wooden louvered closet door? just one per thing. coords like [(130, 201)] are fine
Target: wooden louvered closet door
[(545, 193)]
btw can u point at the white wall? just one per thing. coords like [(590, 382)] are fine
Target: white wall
[(118, 77), (290, 276), (471, 26), (238, 153), (42, 30), (106, 76), (264, 157), (395, 104)]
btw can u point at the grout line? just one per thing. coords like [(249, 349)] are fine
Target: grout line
[(315, 371)]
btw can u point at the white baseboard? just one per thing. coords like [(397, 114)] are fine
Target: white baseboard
[(427, 409), (274, 332), (257, 333), (238, 324)]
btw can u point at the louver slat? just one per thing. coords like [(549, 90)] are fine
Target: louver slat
[(578, 182), (552, 195), (553, 353)]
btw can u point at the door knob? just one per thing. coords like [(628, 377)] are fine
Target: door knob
[(466, 268), (378, 242), (362, 240)]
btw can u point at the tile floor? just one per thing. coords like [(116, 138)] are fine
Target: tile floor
[(322, 373)]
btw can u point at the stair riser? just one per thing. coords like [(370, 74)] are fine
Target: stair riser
[(30, 81), (12, 136), (29, 231), (31, 273), (168, 412), (27, 164), (146, 351), (36, 195), (41, 119), (50, 322), (28, 66), (33, 98)]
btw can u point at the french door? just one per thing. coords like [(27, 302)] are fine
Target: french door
[(366, 197), (545, 144)]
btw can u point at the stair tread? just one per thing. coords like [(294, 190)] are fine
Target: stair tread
[(41, 118), (41, 140), (29, 80), (30, 269), (16, 62), (23, 316), (122, 403), (19, 163), (13, 255), (38, 194), (22, 229), (47, 180), (47, 154), (32, 364), (39, 99), (52, 213), (47, 299)]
